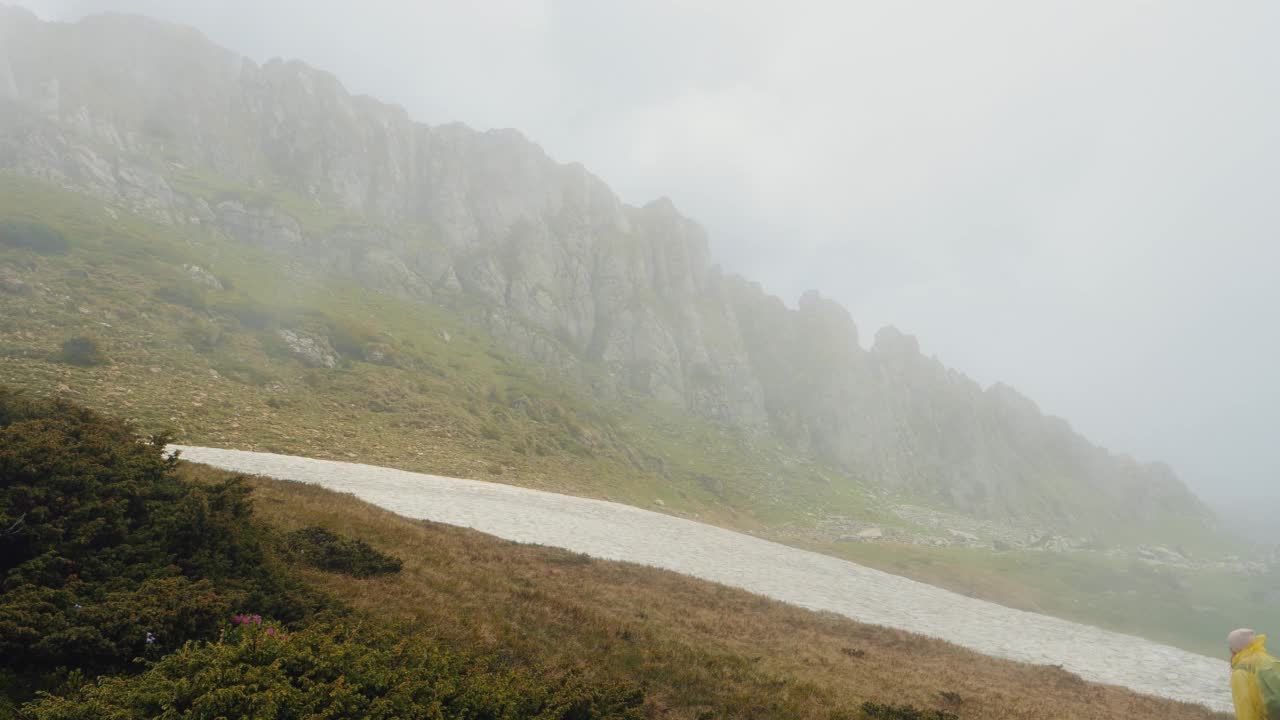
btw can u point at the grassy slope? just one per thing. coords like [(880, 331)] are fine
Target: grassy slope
[(1192, 609), (460, 406), (701, 650), (207, 364)]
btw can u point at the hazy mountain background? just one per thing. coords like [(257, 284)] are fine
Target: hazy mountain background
[(1075, 200), (626, 300)]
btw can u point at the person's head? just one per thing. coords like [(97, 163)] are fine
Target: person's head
[(1240, 639)]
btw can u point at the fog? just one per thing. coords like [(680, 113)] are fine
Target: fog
[(1077, 199)]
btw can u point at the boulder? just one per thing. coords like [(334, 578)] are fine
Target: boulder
[(313, 350), (203, 277)]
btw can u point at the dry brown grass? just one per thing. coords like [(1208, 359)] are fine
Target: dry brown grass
[(701, 650)]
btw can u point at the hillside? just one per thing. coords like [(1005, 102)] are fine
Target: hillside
[(284, 599), (621, 303), (214, 291), (210, 364), (192, 280), (708, 651)]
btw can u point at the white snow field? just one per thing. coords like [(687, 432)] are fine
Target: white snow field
[(620, 532)]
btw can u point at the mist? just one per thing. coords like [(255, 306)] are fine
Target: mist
[(1075, 200)]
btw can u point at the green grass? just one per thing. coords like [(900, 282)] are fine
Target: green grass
[(313, 216), (1192, 609), (208, 365)]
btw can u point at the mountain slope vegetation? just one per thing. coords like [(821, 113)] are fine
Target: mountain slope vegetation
[(235, 620), (176, 354), (125, 588)]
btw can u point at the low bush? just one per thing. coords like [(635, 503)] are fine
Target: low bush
[(107, 556), (328, 551), (249, 313), (204, 336), (33, 236), (951, 698), (82, 351), (335, 670), (348, 337), (186, 294), (878, 711), (119, 579), (243, 372)]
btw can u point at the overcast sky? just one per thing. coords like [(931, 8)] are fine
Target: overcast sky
[(1077, 198)]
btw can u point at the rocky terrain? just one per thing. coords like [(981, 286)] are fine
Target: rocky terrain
[(625, 300)]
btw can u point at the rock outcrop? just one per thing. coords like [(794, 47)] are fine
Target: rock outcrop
[(313, 350), (156, 119)]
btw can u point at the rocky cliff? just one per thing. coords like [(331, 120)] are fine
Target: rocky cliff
[(154, 118)]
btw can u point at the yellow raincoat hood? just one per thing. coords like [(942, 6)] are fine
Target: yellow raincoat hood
[(1250, 651), (1255, 682)]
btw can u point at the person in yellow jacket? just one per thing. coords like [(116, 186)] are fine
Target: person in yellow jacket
[(1255, 677)]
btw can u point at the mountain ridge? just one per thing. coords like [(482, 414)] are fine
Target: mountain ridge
[(541, 254)]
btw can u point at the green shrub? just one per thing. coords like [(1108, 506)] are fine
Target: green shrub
[(379, 354), (243, 372), (82, 351), (878, 711), (204, 336), (249, 313), (107, 556), (348, 337), (33, 236), (46, 628), (16, 406), (104, 547), (186, 294), (335, 670), (328, 551)]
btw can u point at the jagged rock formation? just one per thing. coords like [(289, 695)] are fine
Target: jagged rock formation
[(156, 119)]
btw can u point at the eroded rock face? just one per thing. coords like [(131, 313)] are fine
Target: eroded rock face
[(264, 227), (313, 350), (545, 256), (203, 277)]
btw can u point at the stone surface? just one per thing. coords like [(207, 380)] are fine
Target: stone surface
[(203, 277), (313, 350)]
